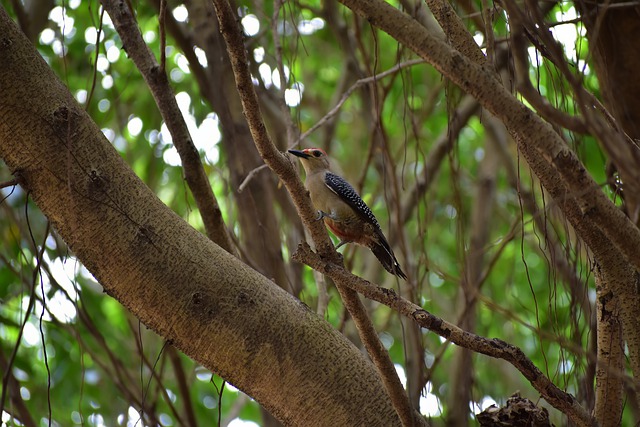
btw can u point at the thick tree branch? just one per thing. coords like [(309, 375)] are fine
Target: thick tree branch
[(453, 27), (279, 163), (609, 381), (611, 236), (620, 148)]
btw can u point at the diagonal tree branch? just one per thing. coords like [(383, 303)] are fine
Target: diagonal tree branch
[(560, 171), (491, 347), (283, 167), (156, 78)]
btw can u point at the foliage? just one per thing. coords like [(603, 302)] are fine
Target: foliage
[(102, 367)]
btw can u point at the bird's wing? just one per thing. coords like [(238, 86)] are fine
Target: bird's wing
[(348, 194)]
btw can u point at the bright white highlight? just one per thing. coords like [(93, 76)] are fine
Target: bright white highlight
[(308, 27), (241, 423), (567, 34), (401, 374), (265, 74), (258, 54), (429, 403), (47, 36), (149, 36), (64, 21), (478, 37), (113, 53), (183, 63), (251, 25), (107, 82), (81, 96), (293, 96), (275, 77), (202, 57), (102, 64), (482, 404), (91, 35), (205, 137), (134, 126), (181, 14)]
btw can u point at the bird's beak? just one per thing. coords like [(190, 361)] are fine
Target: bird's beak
[(300, 154)]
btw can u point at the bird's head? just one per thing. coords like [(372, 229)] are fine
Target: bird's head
[(312, 159)]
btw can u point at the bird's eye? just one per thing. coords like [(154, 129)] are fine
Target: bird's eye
[(317, 153)]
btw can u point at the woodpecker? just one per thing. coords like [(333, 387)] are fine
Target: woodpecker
[(343, 210)]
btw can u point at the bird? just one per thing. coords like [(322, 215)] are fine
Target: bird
[(343, 210)]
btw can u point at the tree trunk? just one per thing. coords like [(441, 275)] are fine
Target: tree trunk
[(610, 365), (613, 33), (190, 291)]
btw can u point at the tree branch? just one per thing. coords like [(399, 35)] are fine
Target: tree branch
[(584, 204), (156, 78), (203, 300), (283, 167), (491, 347), (524, 86)]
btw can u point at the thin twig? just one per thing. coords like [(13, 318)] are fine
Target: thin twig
[(95, 62), (523, 81), (439, 150), (9, 183), (30, 306), (358, 84), (250, 176), (163, 35)]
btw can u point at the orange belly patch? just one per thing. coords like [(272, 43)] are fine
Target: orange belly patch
[(345, 234)]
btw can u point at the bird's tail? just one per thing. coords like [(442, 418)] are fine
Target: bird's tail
[(383, 252)]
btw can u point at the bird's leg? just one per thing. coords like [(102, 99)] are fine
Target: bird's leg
[(342, 242), (334, 217), (322, 214)]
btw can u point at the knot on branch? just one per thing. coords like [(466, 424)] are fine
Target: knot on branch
[(303, 253), (389, 292), (499, 344), (431, 322), (518, 411), (19, 178), (318, 261)]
